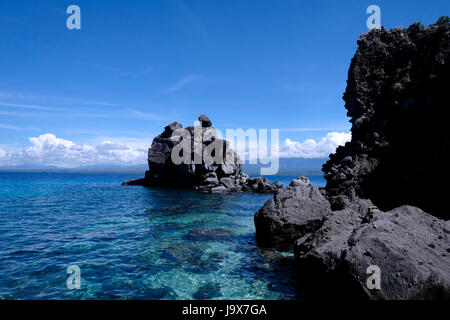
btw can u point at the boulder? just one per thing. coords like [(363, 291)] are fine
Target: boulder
[(277, 185), (219, 189), (410, 247), (227, 182), (290, 214), (204, 121)]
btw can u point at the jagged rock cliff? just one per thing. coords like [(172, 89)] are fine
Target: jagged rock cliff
[(211, 164), (398, 98)]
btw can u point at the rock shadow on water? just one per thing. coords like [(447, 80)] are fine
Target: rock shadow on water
[(208, 291)]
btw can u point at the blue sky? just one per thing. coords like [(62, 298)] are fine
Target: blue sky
[(136, 66)]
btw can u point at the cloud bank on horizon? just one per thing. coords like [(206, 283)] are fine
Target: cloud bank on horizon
[(49, 150)]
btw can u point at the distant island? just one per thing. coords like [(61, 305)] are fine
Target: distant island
[(288, 167)]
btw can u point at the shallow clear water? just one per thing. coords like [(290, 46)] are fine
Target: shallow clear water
[(133, 242)]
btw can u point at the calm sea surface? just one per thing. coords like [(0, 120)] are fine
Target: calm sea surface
[(133, 242)]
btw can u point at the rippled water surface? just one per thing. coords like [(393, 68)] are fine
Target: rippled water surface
[(133, 242)]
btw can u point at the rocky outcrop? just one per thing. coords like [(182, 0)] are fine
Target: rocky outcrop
[(410, 247), (398, 98), (195, 158)]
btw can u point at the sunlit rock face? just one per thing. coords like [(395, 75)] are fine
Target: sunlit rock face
[(398, 99), (195, 157)]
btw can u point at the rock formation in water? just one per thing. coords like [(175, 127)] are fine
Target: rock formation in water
[(398, 99), (198, 169)]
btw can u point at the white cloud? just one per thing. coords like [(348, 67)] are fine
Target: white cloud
[(47, 149), (314, 149), (310, 148)]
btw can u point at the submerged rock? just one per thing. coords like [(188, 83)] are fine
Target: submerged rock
[(164, 293), (185, 253), (208, 234), (208, 291)]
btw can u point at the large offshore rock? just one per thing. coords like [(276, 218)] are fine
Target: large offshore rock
[(411, 248), (290, 214), (200, 171), (398, 98)]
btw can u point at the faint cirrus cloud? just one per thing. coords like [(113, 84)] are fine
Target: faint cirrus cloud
[(32, 106), (28, 96), (182, 83)]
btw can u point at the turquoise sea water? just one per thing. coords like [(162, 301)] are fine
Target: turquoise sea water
[(132, 242)]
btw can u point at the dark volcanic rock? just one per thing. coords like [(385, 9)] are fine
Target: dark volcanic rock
[(210, 165), (204, 120), (408, 245), (134, 182), (398, 98), (291, 213)]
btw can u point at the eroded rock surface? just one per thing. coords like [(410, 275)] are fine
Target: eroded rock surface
[(290, 214), (398, 98), (410, 247), (198, 169)]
